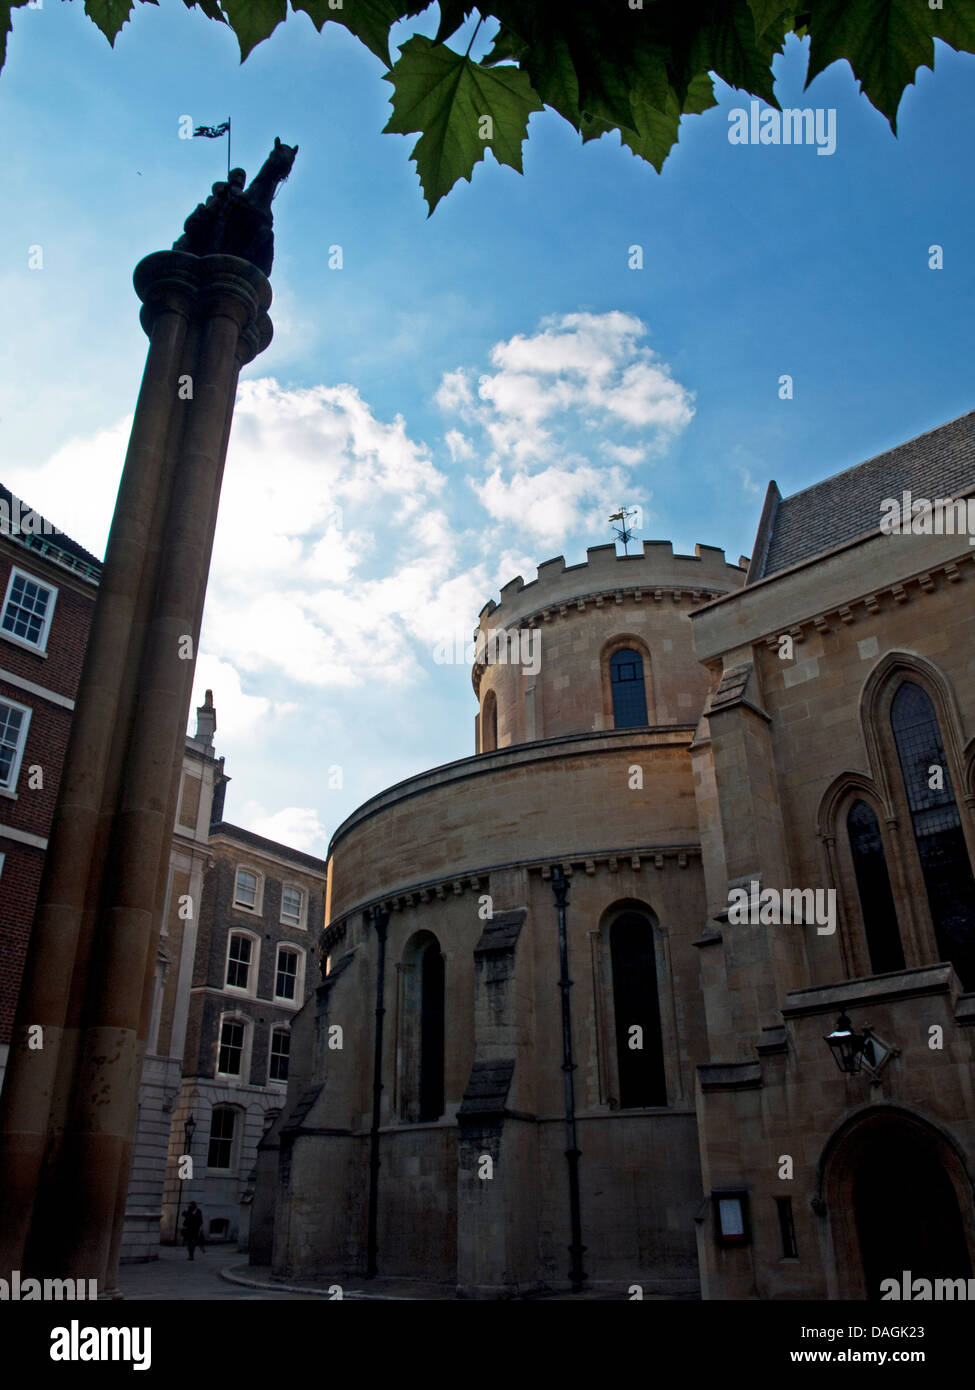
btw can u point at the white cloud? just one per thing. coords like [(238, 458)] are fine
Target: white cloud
[(238, 715), (551, 413), (459, 445), (296, 826), (454, 391), (626, 454), (75, 487), (554, 503)]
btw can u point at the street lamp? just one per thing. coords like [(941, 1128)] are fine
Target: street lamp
[(847, 1046), (188, 1129)]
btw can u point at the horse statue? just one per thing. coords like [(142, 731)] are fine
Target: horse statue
[(237, 221)]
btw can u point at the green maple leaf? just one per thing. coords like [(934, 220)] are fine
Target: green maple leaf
[(659, 125), (453, 13), (954, 26), (109, 15), (884, 41), (253, 20), (209, 7), (507, 47), (700, 96), (579, 58), (655, 139), (554, 77), (367, 20), (724, 41), (777, 15), (446, 97)]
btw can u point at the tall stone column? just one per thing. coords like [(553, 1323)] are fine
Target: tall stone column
[(69, 1106)]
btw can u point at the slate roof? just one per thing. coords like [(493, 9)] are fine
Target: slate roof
[(731, 689), (501, 932), (248, 837), (487, 1089), (51, 540), (846, 506)]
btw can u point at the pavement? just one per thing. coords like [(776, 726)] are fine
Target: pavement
[(222, 1272), (174, 1276)]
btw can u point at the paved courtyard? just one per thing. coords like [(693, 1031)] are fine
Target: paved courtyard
[(223, 1272), (173, 1276)]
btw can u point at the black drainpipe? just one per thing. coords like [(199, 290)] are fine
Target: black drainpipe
[(380, 920), (577, 1274)]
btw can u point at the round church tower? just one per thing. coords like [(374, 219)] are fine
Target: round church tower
[(604, 645), (503, 924)]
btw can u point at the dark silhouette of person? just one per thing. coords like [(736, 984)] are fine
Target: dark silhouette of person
[(193, 1229)]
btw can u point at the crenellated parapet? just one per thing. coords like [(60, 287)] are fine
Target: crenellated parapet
[(705, 574)]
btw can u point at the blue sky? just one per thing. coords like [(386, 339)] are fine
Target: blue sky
[(471, 394)]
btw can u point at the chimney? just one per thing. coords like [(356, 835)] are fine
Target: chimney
[(219, 795), (206, 721)]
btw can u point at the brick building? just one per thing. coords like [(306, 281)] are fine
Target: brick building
[(596, 1067), (203, 784), (257, 938), (48, 585)]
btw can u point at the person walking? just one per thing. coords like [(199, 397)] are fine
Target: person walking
[(192, 1229)]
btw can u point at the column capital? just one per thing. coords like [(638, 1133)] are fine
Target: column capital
[(200, 286)]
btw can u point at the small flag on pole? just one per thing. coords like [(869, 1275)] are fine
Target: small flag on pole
[(214, 132)]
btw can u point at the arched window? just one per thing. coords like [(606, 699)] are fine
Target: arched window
[(431, 1033), (639, 1044), (937, 827), (420, 1054), (873, 886), (629, 689), (489, 723)]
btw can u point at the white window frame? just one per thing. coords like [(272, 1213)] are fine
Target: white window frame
[(298, 999), (302, 922), (39, 646), (245, 1052), (11, 788), (235, 1142), (252, 972), (277, 1028), (258, 907)]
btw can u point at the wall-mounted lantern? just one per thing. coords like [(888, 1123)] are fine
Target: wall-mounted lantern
[(846, 1045)]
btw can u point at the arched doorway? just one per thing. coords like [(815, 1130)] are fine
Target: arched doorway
[(899, 1198)]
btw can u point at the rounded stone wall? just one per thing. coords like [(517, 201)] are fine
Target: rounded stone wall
[(544, 653)]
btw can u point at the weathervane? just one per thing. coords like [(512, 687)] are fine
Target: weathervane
[(623, 532)]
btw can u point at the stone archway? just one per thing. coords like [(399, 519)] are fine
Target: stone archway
[(898, 1197)]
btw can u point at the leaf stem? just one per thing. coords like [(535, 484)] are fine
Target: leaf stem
[(480, 21)]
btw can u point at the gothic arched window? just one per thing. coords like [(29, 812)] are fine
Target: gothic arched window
[(489, 723), (639, 1044), (420, 1050), (629, 689), (937, 827), (873, 886)]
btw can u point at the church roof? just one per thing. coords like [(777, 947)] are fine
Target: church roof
[(847, 506)]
